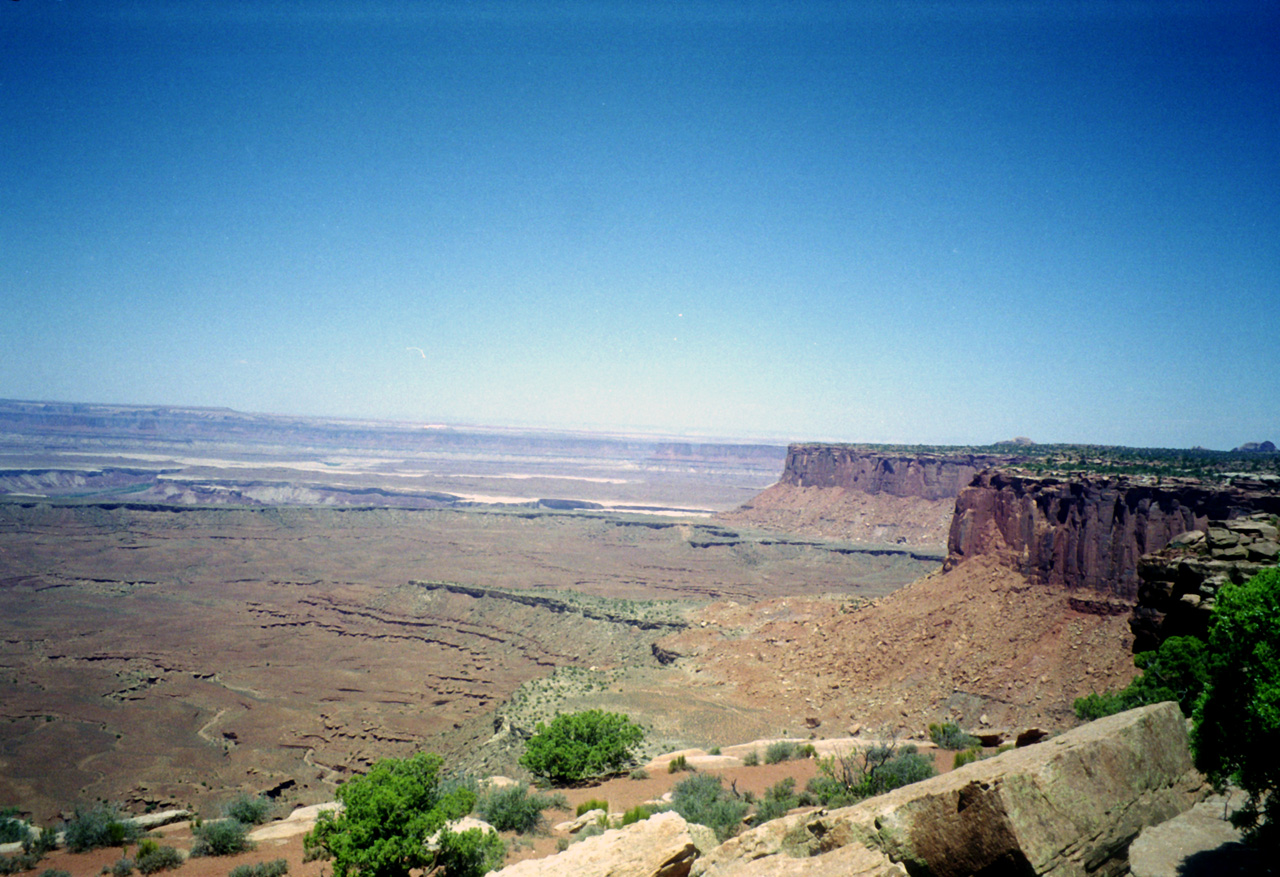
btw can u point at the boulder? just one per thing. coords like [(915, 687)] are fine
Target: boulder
[(659, 846), (854, 860), (1068, 806)]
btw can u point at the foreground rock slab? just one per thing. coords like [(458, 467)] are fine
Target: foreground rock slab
[(659, 846), (1067, 807), (1199, 843)]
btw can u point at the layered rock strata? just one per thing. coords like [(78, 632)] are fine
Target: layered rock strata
[(1068, 806), (1089, 532), (1180, 582)]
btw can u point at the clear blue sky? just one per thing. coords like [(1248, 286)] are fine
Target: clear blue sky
[(938, 222)]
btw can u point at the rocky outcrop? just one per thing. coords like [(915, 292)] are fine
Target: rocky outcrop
[(924, 476), (1180, 582), (1068, 806), (660, 846), (865, 495), (1090, 531)]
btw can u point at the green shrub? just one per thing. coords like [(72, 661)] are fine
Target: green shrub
[(580, 746), (18, 862), (949, 735), (123, 867), (54, 872), (225, 837), (678, 764), (40, 841), (251, 810), (101, 825), (638, 813), (751, 759), (860, 774), (714, 750), (702, 799), (12, 829), (1238, 715), (1178, 670), (967, 756), (513, 809), (151, 857), (639, 774), (778, 799), (387, 817), (806, 751), (274, 868), (779, 751), (591, 804)]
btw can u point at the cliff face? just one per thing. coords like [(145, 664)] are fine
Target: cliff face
[(862, 495), (924, 476), (1089, 532)]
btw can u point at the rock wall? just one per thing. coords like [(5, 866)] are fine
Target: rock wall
[(1090, 532), (1180, 582), (864, 495), (924, 476)]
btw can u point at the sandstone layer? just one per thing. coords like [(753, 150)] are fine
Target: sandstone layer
[(864, 495), (1088, 532), (1069, 806)]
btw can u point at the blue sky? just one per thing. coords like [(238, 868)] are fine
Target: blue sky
[(925, 222)]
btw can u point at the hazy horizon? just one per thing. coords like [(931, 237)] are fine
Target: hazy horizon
[(916, 223)]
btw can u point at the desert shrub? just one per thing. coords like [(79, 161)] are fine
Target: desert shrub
[(274, 868), (387, 818), (949, 735), (702, 799), (12, 829), (18, 862), (678, 764), (751, 759), (123, 867), (779, 751), (639, 774), (579, 746), (860, 774), (591, 804), (151, 857), (714, 750), (562, 844), (249, 809), (54, 872), (638, 813), (1238, 715), (806, 751), (40, 841), (778, 799), (225, 837), (967, 756), (513, 809), (101, 825)]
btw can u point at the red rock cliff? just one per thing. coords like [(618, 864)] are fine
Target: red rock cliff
[(865, 495), (925, 476), (1088, 532)]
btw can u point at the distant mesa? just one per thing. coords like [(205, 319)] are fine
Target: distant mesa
[(1258, 447), (1021, 441)]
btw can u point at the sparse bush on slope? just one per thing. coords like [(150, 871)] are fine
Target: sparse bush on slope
[(580, 746)]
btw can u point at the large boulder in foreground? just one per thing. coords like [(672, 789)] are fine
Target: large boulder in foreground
[(659, 846), (1065, 807)]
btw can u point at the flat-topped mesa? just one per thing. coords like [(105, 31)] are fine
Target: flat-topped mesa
[(1089, 531), (925, 475)]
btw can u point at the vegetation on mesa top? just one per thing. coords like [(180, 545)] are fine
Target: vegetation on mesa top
[(1199, 463)]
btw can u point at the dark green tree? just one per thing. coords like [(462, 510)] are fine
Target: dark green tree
[(1237, 734), (580, 746), (391, 814)]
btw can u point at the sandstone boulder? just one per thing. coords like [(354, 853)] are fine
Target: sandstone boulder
[(659, 846), (1068, 806)]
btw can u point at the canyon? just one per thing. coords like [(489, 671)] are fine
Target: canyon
[(196, 603)]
